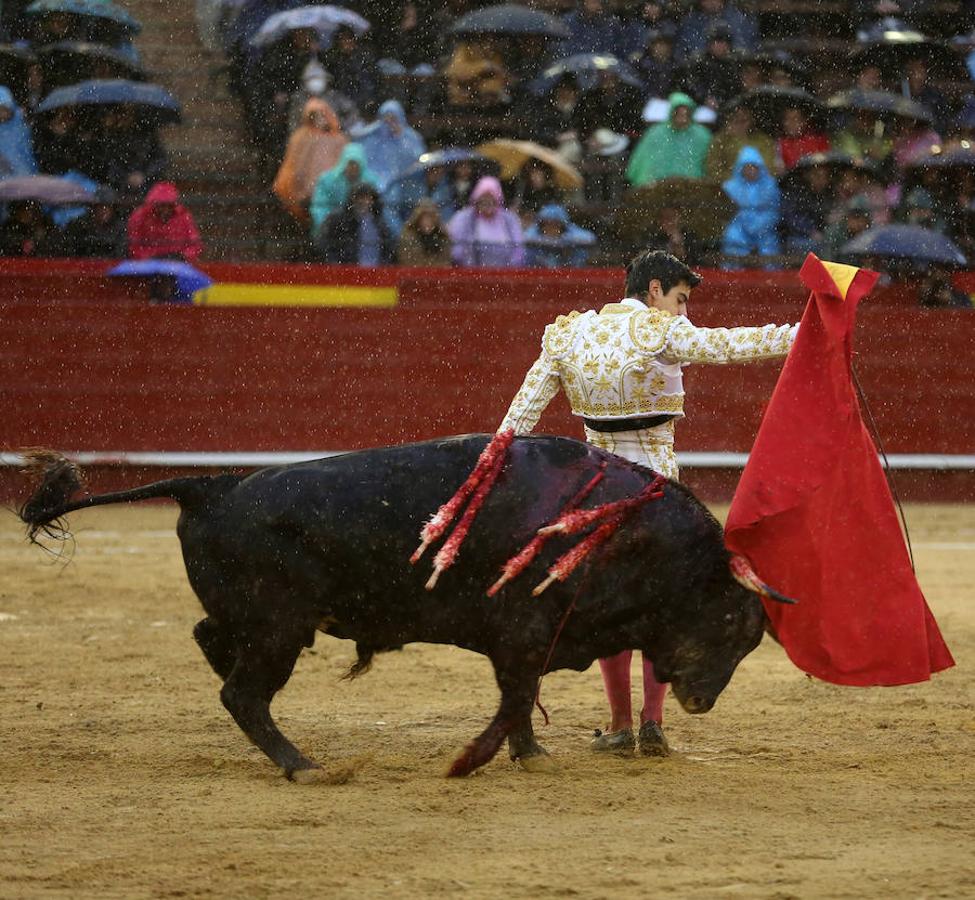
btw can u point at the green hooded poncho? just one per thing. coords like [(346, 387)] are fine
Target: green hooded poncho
[(665, 151), (332, 188)]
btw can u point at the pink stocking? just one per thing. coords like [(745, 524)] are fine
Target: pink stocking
[(653, 695), (616, 680)]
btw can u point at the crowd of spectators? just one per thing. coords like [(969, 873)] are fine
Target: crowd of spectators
[(380, 126), (629, 96), (54, 127)]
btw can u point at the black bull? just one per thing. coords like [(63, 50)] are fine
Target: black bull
[(324, 546)]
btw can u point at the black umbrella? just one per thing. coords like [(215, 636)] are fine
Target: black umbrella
[(906, 242), (956, 158), (768, 102), (585, 68), (69, 62), (884, 104), (448, 158), (834, 160), (510, 19), (890, 45)]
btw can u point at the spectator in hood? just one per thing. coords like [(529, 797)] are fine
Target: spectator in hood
[(755, 192), (856, 219), (739, 131), (678, 146), (484, 233), (315, 147), (16, 148), (57, 140), (644, 20), (131, 158), (799, 137), (334, 185), (917, 208), (100, 232), (29, 231), (554, 242), (357, 234), (316, 84), (712, 76), (163, 228), (655, 61), (694, 28), (424, 240), (805, 208), (390, 145), (353, 68), (403, 195), (592, 29)]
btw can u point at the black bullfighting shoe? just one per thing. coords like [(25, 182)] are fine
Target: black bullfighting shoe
[(652, 741), (614, 741)]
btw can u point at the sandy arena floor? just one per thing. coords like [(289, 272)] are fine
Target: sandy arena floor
[(124, 777)]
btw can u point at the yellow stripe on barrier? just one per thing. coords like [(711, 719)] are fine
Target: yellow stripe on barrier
[(230, 294)]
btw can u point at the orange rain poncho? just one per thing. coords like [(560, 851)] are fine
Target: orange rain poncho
[(312, 149)]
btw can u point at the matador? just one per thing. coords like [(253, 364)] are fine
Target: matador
[(620, 369)]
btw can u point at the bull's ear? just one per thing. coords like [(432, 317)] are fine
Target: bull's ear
[(744, 574)]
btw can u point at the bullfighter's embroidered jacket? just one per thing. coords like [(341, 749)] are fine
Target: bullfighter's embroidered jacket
[(625, 362)]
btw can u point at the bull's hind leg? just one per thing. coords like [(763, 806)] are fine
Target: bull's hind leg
[(217, 646), (264, 665), (518, 687)]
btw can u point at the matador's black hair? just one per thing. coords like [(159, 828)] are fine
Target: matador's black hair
[(659, 265)]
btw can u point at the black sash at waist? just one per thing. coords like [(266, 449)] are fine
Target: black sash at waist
[(614, 425)]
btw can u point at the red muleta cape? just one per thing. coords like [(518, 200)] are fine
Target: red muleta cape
[(814, 515)]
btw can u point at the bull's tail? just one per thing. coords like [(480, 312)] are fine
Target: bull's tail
[(58, 480)]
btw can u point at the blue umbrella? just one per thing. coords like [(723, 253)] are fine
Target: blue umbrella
[(586, 68), (510, 19), (154, 99), (323, 19), (449, 156), (187, 279), (116, 18), (905, 242)]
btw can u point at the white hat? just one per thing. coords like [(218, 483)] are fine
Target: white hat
[(608, 143), (658, 110)]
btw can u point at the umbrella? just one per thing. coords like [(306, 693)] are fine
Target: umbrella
[(834, 160), (45, 189), (186, 279), (883, 103), (956, 158), (154, 100), (586, 68), (512, 155), (909, 242), (510, 19), (768, 102), (107, 19), (705, 208), (448, 157), (68, 62), (323, 19), (890, 46)]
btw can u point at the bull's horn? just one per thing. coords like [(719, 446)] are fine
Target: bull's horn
[(745, 575)]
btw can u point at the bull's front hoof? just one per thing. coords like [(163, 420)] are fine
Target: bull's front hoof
[(538, 762), (652, 741)]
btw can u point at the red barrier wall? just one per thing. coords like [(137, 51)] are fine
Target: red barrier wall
[(78, 372)]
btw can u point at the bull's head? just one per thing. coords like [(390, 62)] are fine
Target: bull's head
[(730, 625)]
